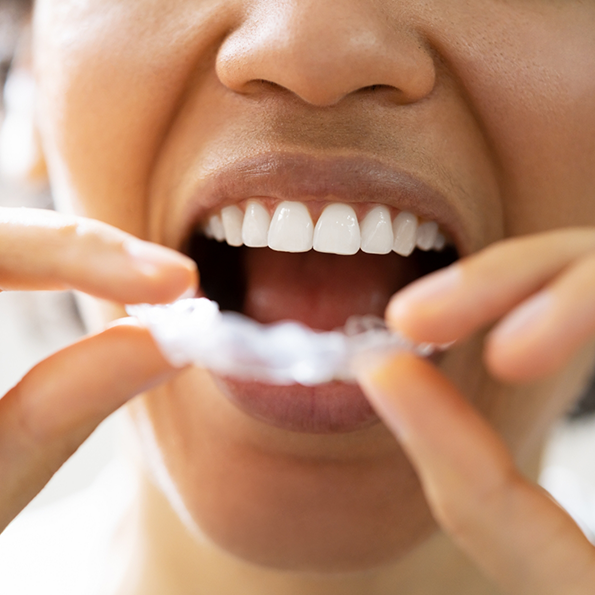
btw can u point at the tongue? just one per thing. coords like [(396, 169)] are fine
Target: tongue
[(321, 290)]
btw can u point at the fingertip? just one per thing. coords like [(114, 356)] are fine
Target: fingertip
[(513, 365), (170, 274), (397, 385), (128, 336), (399, 313), (176, 283), (152, 257), (423, 310), (382, 372), (409, 319), (497, 362), (518, 349)]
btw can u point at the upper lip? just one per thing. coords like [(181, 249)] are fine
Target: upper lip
[(290, 176)]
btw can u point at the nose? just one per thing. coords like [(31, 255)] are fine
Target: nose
[(324, 50)]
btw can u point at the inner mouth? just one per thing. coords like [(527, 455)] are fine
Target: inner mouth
[(321, 290)]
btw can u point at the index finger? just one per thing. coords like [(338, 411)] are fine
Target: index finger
[(452, 303), (42, 249)]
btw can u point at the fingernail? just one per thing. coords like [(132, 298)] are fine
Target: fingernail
[(189, 293), (525, 317), (432, 288), (128, 321), (151, 259)]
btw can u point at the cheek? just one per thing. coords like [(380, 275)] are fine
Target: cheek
[(289, 501), (531, 82), (94, 150), (108, 84)]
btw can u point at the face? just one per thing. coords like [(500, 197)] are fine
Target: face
[(478, 115)]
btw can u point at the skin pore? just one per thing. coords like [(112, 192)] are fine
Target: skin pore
[(491, 103)]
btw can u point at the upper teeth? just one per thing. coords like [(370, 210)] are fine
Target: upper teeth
[(337, 230)]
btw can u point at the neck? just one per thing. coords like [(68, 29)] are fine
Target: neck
[(169, 559)]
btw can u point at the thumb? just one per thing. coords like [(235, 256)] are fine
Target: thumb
[(512, 529)]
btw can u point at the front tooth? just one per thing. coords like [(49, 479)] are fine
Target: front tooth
[(405, 232), (291, 228), (337, 230), (255, 229), (377, 231), (426, 235), (216, 228), (232, 218)]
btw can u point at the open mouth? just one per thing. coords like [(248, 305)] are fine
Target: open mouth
[(274, 263), (317, 261)]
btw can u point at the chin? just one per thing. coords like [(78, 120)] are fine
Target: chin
[(295, 501)]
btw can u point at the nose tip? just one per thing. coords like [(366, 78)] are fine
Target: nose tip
[(324, 51)]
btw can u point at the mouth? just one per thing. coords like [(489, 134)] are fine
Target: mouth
[(292, 238)]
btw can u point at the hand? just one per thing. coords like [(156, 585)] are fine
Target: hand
[(541, 290), (49, 413)]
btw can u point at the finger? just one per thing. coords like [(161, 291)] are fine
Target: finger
[(46, 417), (511, 528), (45, 250), (546, 330), (454, 302)]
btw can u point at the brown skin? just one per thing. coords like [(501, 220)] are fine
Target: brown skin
[(492, 103)]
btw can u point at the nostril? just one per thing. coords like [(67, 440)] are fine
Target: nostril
[(385, 93), (394, 94), (262, 85), (270, 85), (373, 88)]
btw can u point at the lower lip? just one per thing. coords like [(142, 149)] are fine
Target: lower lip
[(335, 407)]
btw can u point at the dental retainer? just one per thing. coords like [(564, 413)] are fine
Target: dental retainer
[(195, 331)]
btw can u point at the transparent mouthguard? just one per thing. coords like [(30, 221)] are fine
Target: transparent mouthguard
[(195, 331)]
